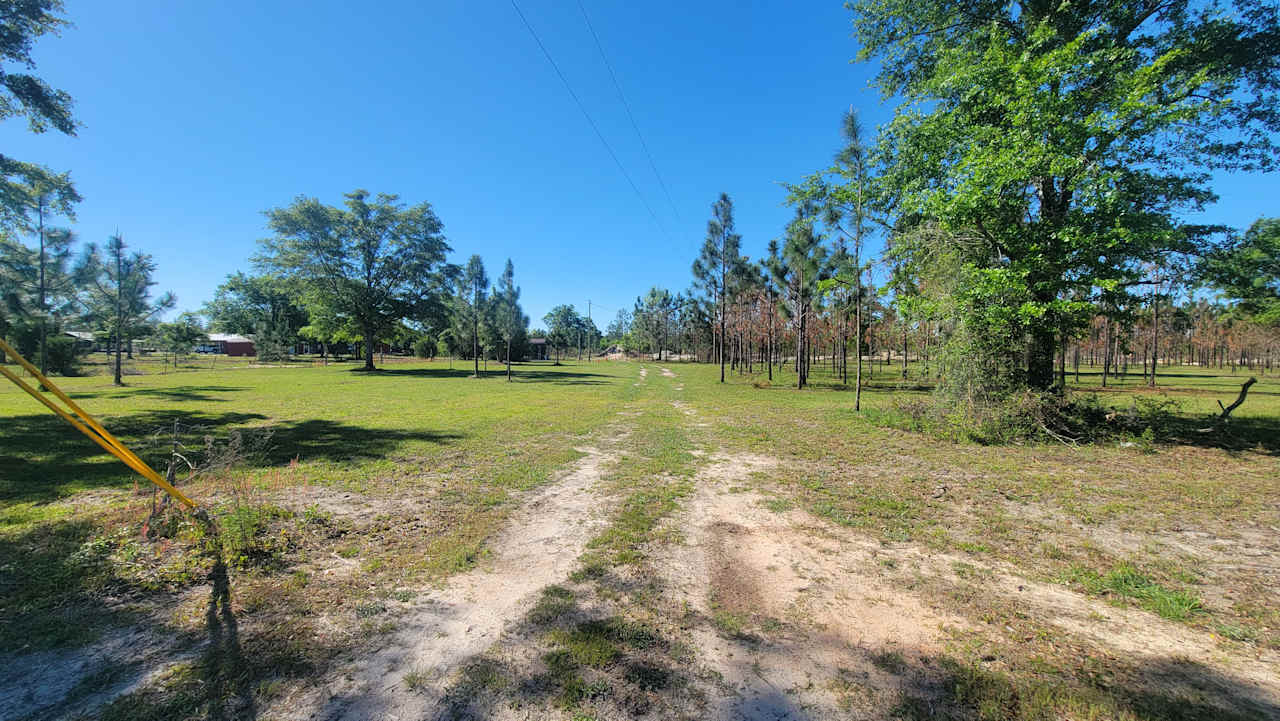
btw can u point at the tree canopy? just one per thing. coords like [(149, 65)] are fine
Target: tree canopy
[(1049, 148), (23, 185), (1247, 270), (374, 261)]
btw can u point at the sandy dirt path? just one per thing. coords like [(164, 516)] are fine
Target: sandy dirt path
[(539, 546)]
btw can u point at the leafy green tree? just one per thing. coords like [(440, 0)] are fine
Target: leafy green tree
[(181, 335), (720, 266), (244, 303), (24, 187), (325, 324), (618, 332), (509, 318), (1247, 270), (374, 261), (562, 328), (267, 307), (116, 289), (1052, 146)]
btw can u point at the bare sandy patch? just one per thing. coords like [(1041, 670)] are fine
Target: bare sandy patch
[(794, 623), (666, 372)]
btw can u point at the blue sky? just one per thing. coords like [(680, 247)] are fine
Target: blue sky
[(198, 116)]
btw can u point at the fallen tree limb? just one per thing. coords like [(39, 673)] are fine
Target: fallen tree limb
[(1223, 417), (1244, 391)]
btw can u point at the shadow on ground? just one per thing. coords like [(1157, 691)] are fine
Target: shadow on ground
[(519, 374), (44, 458), (176, 393)]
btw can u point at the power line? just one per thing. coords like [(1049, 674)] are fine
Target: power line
[(591, 122), (617, 86)]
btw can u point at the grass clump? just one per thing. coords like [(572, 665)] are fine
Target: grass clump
[(1126, 581), (417, 679), (589, 644), (555, 602)]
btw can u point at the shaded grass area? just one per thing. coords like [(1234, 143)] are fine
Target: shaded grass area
[(401, 477)]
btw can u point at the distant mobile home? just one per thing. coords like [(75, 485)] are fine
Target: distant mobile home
[(228, 344)]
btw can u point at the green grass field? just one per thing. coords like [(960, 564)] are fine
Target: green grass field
[(401, 478)]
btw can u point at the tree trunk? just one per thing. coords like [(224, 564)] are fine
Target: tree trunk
[(119, 312), (904, 352), (1040, 357), (44, 329), (368, 350), (1155, 331), (857, 333), (722, 329)]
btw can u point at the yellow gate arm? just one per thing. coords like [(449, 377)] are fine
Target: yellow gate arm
[(87, 425)]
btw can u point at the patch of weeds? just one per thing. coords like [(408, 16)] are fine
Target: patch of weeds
[(889, 661), (593, 568), (461, 558), (894, 516), (417, 679), (313, 514), (369, 610), (1146, 442), (974, 548), (1125, 580), (778, 505), (563, 672), (648, 677), (403, 596), (729, 624), (556, 601), (639, 515), (588, 644), (245, 533), (484, 674), (1236, 632)]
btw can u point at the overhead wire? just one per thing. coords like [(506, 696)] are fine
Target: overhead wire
[(630, 116), (590, 121)]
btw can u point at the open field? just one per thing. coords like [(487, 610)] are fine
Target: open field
[(632, 539)]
